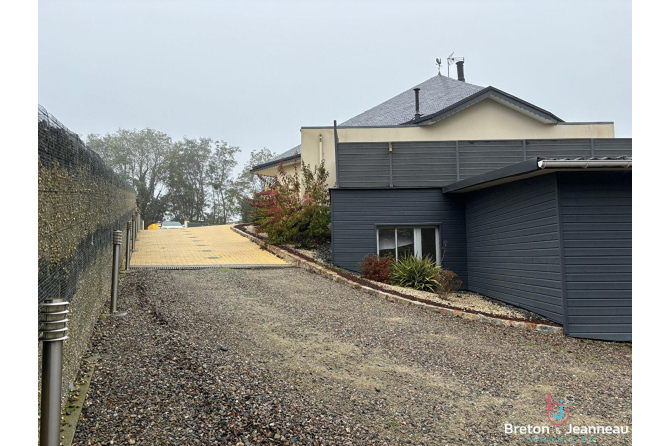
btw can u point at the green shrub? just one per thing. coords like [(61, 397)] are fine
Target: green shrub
[(447, 282), (295, 211), (376, 268), (414, 272)]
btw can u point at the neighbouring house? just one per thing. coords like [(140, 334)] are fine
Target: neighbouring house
[(524, 207)]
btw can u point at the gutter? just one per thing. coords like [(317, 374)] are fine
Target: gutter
[(551, 164)]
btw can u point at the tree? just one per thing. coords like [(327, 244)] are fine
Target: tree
[(139, 156), (248, 184), (225, 193), (188, 179)]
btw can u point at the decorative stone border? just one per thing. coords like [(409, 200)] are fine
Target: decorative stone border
[(332, 275)]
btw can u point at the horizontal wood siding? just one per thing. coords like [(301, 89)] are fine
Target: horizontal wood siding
[(596, 210), (363, 165), (478, 157), (355, 213), (613, 147), (433, 162), (513, 251), (558, 148)]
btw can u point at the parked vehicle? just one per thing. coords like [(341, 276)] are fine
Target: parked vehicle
[(171, 225)]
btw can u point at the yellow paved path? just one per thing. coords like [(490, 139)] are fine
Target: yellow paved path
[(202, 246)]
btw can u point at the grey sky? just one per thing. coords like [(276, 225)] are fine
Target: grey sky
[(252, 73)]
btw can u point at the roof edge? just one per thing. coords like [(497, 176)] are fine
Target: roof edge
[(258, 167), (535, 166), (480, 96)]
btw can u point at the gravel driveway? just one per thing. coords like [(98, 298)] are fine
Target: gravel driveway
[(287, 357)]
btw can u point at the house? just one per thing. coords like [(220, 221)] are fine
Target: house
[(525, 207), (439, 109)]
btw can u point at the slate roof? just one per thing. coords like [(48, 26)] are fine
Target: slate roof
[(439, 97), (287, 156), (437, 93)]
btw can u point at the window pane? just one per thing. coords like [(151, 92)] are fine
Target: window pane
[(387, 242), (428, 245), (405, 242)]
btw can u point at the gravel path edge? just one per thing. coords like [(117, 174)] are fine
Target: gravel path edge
[(390, 297)]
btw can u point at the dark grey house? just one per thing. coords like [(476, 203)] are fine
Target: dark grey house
[(525, 207), (551, 231)]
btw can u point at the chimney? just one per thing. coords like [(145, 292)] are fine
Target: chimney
[(416, 101), (459, 67)]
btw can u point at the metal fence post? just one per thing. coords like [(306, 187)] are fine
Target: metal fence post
[(128, 243), (53, 331), (115, 270)]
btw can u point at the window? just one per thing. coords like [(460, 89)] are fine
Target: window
[(405, 240)]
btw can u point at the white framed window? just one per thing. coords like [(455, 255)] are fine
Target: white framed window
[(399, 241)]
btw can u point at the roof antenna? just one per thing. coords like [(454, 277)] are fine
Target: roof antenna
[(451, 60), (438, 62)]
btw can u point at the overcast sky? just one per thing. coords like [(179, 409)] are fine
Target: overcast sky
[(252, 73)]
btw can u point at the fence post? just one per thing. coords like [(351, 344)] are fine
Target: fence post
[(116, 239), (53, 331), (128, 243)]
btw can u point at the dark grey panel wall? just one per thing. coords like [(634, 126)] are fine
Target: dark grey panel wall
[(513, 245), (596, 213), (558, 148), (363, 164), (433, 162), (439, 163), (355, 212), (613, 147), (477, 157)]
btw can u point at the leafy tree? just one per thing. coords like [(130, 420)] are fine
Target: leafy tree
[(225, 191), (139, 156), (188, 179)]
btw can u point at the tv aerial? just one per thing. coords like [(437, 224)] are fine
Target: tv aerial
[(452, 60)]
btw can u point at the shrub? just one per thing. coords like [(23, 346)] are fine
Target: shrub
[(414, 272), (295, 211), (447, 282), (376, 268)]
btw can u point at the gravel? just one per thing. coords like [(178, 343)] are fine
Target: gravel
[(282, 356)]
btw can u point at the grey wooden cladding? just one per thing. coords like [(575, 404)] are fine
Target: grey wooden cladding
[(437, 163), (513, 245), (432, 162), (363, 164), (597, 232), (355, 214)]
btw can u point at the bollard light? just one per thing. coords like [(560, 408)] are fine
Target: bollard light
[(52, 332), (128, 242), (116, 240)]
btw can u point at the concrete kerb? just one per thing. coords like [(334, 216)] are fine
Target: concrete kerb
[(317, 269)]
